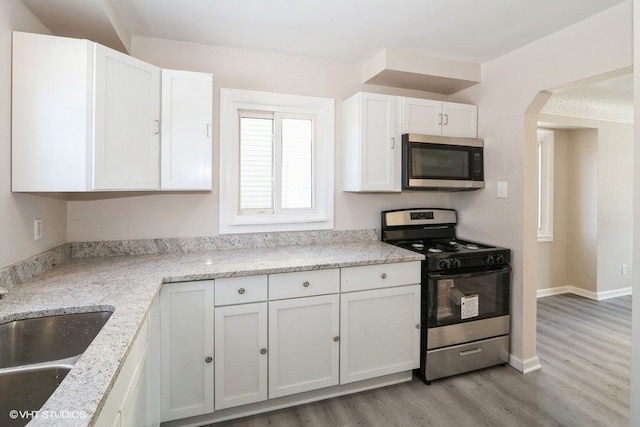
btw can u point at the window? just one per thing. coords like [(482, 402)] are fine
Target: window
[(276, 168), (545, 185)]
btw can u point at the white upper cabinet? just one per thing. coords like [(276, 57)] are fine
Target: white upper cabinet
[(187, 109), (373, 125), (87, 118), (371, 143), (52, 113), (127, 122), (429, 117)]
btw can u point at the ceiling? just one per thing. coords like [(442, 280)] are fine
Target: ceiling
[(346, 31), (610, 100)]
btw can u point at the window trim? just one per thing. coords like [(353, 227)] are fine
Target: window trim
[(545, 140), (232, 102)]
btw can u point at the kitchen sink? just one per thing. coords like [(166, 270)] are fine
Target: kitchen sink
[(29, 341), (36, 355), (24, 390)]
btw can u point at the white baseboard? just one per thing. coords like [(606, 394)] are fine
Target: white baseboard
[(529, 365), (597, 296)]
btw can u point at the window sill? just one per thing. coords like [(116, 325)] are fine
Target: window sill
[(270, 228)]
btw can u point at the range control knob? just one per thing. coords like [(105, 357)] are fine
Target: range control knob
[(500, 259), (443, 264), (455, 263), (489, 260)]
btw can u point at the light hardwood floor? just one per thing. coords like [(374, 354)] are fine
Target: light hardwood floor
[(584, 348)]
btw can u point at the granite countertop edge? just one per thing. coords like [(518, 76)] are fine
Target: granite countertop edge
[(128, 285)]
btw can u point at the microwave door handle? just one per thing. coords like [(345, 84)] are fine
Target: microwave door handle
[(467, 275)]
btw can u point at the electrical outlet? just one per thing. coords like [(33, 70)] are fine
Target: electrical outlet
[(37, 229)]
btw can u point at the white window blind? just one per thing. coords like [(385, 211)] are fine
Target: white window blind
[(276, 162)]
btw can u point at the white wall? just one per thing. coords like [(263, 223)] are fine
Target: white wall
[(186, 215), (634, 398), (598, 171), (507, 122), (553, 263), (583, 199), (17, 211)]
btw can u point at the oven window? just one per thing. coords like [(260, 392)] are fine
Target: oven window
[(464, 297), (429, 162)]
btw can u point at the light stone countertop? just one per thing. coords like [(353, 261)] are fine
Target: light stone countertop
[(127, 285)]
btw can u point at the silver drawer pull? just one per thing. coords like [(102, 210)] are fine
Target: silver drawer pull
[(305, 284), (263, 351), (241, 291), (418, 325), (208, 359), (336, 338), (472, 351), (383, 275)]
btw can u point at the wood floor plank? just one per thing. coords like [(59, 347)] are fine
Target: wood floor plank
[(585, 351)]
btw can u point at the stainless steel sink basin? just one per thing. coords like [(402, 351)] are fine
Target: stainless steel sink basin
[(25, 390), (36, 355), (28, 341)]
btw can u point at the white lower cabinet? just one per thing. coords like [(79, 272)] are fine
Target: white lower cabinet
[(133, 400), (380, 332), (186, 349), (304, 344), (283, 334), (241, 354)]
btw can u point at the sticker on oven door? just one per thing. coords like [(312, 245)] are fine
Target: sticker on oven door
[(469, 306)]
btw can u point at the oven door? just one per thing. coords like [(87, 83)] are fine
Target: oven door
[(467, 296)]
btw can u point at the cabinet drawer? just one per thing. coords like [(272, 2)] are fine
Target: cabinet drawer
[(380, 276), (304, 283), (454, 360), (238, 290)]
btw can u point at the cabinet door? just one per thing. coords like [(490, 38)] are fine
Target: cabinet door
[(380, 332), (241, 354), (460, 120), (127, 122), (372, 143), (50, 113), (422, 116), (135, 408), (186, 328), (187, 100), (303, 344)]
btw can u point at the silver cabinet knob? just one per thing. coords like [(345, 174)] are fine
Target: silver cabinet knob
[(418, 325), (383, 275), (336, 338), (208, 359), (263, 351), (241, 291), (305, 284)]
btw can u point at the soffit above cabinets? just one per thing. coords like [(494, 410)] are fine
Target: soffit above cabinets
[(414, 71), (95, 20)]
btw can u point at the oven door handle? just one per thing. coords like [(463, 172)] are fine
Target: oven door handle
[(467, 275)]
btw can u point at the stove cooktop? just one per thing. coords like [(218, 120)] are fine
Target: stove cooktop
[(446, 246)]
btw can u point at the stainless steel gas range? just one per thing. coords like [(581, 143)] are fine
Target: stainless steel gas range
[(465, 292)]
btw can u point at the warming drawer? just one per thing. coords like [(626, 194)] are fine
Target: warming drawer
[(454, 360)]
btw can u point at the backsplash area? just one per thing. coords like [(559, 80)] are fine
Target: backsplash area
[(34, 266)]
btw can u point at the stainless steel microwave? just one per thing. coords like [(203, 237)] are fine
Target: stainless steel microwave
[(440, 163)]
